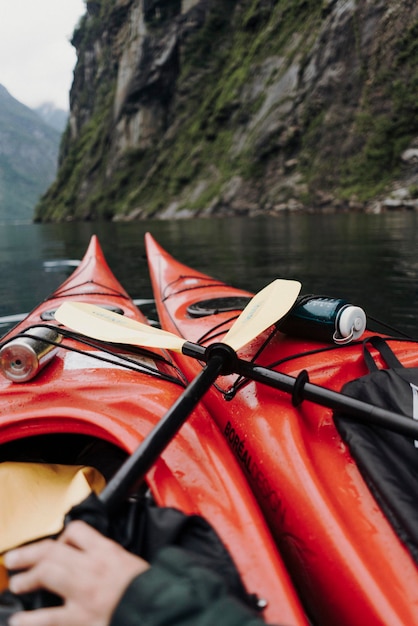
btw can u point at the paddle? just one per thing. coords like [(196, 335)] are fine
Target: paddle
[(117, 329), (266, 307)]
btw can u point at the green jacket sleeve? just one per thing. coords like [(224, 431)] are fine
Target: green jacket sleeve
[(175, 590)]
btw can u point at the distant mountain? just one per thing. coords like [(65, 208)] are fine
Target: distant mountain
[(28, 158), (57, 118)]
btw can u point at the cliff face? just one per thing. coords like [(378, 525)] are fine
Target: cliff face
[(205, 107)]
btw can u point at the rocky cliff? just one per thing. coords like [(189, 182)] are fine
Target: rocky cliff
[(218, 107)]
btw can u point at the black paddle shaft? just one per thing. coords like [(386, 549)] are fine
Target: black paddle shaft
[(139, 463), (351, 407), (220, 359)]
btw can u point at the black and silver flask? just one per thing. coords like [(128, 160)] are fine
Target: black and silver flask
[(322, 318)]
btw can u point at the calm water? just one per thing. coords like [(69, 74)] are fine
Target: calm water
[(370, 260)]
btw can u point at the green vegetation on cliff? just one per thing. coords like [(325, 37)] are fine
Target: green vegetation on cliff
[(387, 124), (260, 91), (231, 48)]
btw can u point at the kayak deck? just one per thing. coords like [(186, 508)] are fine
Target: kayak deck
[(345, 559), (90, 404)]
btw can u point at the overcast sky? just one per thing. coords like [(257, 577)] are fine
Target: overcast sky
[(36, 57)]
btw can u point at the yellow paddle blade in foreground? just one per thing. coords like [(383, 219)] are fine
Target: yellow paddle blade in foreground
[(35, 499), (267, 307), (36, 496), (4, 577)]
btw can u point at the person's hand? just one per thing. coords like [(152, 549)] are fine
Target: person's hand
[(89, 572)]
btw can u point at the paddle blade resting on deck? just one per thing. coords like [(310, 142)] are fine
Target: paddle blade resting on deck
[(101, 324), (267, 307)]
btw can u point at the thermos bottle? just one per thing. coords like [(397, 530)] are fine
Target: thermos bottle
[(322, 318)]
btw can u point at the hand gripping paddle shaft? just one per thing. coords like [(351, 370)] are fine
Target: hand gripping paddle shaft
[(268, 306)]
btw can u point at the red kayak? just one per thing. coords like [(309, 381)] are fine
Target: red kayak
[(74, 394), (345, 558)]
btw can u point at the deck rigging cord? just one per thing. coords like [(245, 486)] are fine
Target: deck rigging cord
[(119, 359), (115, 328), (99, 323)]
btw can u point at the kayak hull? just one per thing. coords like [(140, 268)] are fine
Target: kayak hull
[(345, 559), (86, 393)]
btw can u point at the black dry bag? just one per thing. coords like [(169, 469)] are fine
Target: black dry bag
[(388, 461)]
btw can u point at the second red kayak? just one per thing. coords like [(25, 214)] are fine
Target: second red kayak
[(345, 558)]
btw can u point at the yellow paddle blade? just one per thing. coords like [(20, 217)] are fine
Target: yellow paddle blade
[(267, 307), (4, 577), (35, 498), (104, 325)]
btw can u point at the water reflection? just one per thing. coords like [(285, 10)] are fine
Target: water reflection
[(368, 259)]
